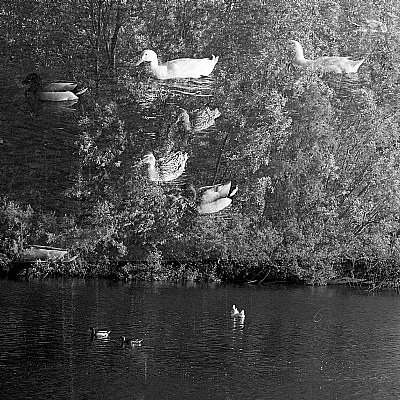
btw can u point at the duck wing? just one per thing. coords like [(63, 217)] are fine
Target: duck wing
[(338, 64), (172, 166), (215, 192), (215, 206), (56, 96), (205, 118), (190, 67), (58, 86)]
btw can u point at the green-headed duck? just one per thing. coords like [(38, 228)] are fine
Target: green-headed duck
[(51, 91)]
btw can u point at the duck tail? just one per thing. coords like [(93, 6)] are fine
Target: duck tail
[(233, 191), (215, 58), (80, 91), (357, 64)]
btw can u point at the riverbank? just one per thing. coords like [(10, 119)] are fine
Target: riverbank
[(195, 271), (194, 249)]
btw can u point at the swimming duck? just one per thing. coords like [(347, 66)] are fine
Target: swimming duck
[(235, 312), (165, 169), (179, 68), (328, 64), (55, 91), (131, 342), (215, 198), (373, 25), (202, 119), (99, 334)]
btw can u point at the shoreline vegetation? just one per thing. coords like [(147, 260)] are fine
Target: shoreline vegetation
[(315, 155), (100, 259)]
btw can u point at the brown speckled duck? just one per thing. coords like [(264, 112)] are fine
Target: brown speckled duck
[(201, 119), (165, 169)]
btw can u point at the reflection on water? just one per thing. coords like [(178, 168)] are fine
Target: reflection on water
[(202, 87), (294, 343)]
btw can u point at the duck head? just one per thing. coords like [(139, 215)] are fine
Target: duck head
[(217, 113), (147, 55), (233, 190), (32, 77), (148, 159), (296, 46)]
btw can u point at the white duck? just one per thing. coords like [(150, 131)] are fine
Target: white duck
[(215, 198), (179, 68), (165, 169), (338, 65), (235, 312), (373, 26)]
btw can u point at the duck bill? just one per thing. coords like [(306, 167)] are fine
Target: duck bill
[(139, 62)]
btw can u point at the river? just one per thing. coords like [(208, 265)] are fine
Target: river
[(294, 343)]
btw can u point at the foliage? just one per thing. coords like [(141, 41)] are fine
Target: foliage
[(315, 155)]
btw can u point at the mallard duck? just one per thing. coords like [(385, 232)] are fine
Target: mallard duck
[(235, 312), (329, 64), (215, 198), (201, 119), (131, 342), (165, 169), (99, 334), (179, 68), (55, 91)]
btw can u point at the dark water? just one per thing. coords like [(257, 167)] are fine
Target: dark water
[(38, 149), (40, 142), (295, 343)]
